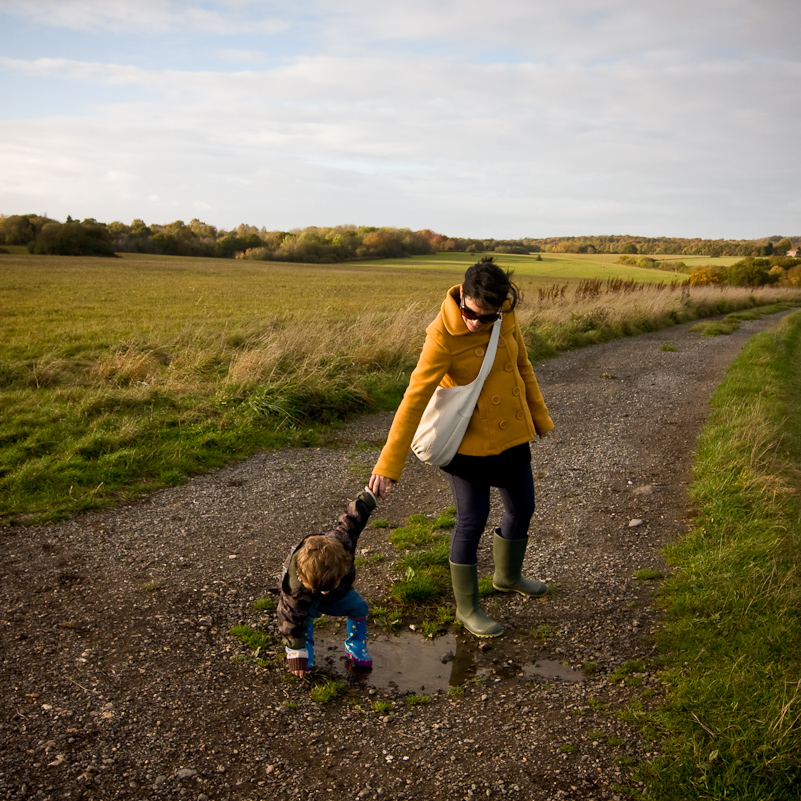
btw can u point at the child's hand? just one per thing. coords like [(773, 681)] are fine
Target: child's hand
[(297, 662), (367, 497)]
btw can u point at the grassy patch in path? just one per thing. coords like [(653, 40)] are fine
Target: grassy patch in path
[(424, 563), (733, 621)]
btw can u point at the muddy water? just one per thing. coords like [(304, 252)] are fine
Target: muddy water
[(408, 662), (551, 671), (405, 662)]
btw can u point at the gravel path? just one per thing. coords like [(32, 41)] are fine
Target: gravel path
[(120, 679)]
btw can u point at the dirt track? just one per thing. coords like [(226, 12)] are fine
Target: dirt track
[(120, 679)]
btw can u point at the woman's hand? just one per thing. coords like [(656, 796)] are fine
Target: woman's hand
[(380, 485)]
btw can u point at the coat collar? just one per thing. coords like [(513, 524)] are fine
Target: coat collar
[(451, 313)]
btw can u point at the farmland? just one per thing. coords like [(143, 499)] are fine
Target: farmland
[(121, 375)]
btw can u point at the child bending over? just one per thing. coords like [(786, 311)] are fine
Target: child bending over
[(318, 580)]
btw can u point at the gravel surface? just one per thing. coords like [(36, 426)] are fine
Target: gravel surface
[(120, 678)]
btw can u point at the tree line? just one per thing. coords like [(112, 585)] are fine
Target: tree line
[(314, 244)]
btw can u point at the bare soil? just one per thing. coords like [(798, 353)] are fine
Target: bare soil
[(120, 678)]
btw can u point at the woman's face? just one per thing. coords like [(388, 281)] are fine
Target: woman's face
[(477, 308)]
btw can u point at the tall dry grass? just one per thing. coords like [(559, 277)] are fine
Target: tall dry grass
[(310, 348), (565, 317), (382, 340)]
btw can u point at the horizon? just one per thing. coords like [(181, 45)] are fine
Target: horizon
[(677, 121), (426, 228)]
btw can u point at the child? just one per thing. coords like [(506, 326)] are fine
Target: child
[(318, 579)]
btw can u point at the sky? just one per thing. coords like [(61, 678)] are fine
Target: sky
[(509, 119)]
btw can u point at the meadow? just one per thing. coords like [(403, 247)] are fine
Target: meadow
[(565, 265), (119, 376)]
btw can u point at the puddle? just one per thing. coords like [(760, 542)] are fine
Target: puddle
[(552, 671), (407, 662)]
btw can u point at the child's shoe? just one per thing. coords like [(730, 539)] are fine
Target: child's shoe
[(356, 643)]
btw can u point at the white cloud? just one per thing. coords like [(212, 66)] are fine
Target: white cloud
[(148, 16), (518, 119)]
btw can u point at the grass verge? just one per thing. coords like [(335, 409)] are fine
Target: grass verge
[(733, 620)]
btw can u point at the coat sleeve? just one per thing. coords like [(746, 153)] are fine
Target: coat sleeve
[(293, 613), (434, 362), (536, 403), (351, 524)]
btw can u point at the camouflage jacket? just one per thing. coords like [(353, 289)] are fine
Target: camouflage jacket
[(295, 599)]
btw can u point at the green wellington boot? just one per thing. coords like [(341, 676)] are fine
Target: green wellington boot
[(464, 579), (508, 556)]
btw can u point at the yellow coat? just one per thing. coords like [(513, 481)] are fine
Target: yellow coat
[(510, 408)]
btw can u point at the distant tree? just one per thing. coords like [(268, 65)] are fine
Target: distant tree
[(782, 246), (202, 230), (793, 276), (706, 276), (750, 272), (414, 243), (165, 244), (383, 244), (518, 249), (87, 238), (785, 262), (19, 229)]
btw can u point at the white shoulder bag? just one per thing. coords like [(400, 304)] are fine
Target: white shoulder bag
[(448, 413)]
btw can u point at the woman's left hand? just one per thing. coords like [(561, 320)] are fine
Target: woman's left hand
[(380, 485)]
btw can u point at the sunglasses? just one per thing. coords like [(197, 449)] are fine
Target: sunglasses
[(469, 314)]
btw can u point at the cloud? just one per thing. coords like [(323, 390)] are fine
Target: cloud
[(144, 16), (523, 118), (574, 31)]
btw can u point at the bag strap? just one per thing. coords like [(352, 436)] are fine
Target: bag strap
[(489, 356)]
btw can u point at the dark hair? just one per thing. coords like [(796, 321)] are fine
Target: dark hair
[(491, 285)]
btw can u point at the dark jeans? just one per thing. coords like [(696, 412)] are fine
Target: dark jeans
[(472, 499)]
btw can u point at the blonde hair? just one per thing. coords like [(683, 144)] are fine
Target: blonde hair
[(322, 563)]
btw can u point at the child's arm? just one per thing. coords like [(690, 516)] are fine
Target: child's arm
[(352, 522), (293, 616)]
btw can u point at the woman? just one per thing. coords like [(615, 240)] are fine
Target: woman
[(495, 450)]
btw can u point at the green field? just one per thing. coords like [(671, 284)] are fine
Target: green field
[(121, 375), (556, 266)]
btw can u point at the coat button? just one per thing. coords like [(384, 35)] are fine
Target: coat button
[(508, 367), (479, 351), (516, 391), (501, 343), (520, 415), (503, 424), (496, 399)]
